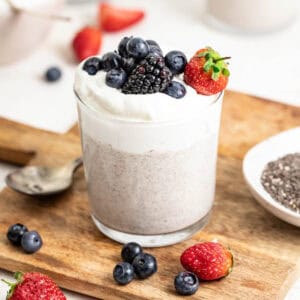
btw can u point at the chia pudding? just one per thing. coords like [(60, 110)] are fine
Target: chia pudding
[(149, 159)]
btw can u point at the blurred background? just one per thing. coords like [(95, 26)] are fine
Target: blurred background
[(261, 36)]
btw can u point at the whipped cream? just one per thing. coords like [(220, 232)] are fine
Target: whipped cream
[(157, 107)]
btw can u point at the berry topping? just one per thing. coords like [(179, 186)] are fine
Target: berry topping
[(156, 50), (152, 43), (149, 76), (186, 283), (31, 241), (123, 273), (87, 42), (144, 265), (130, 251), (111, 60), (115, 78), (122, 46), (112, 18), (176, 61), (207, 72), (53, 74), (175, 89), (137, 48), (208, 260), (15, 233), (128, 64), (33, 286), (92, 65)]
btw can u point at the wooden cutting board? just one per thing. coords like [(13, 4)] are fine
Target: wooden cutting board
[(81, 259)]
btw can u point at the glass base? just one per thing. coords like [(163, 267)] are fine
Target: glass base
[(158, 240)]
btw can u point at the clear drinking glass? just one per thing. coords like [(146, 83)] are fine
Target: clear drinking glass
[(150, 182)]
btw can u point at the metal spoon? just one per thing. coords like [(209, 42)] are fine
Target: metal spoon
[(43, 181)]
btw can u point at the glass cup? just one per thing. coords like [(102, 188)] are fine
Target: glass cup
[(150, 182), (251, 16)]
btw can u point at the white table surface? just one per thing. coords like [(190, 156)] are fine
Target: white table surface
[(262, 65)]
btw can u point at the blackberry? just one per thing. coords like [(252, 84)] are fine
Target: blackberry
[(149, 76)]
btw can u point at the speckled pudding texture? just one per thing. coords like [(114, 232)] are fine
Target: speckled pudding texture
[(149, 159)]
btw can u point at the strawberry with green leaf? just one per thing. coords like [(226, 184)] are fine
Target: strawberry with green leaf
[(207, 72), (33, 286)]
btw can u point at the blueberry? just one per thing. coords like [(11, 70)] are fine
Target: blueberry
[(15, 233), (115, 78), (130, 251), (175, 89), (31, 241), (152, 43), (53, 74), (186, 283), (123, 273), (122, 46), (92, 65), (176, 61), (144, 265), (111, 60), (137, 48), (128, 64), (156, 50)]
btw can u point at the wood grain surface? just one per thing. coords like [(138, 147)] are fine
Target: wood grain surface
[(81, 259)]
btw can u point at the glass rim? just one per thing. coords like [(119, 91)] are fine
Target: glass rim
[(109, 118)]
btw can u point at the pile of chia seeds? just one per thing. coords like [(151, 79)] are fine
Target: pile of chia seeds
[(281, 179)]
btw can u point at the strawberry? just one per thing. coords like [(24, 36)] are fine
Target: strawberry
[(33, 286), (87, 42), (207, 72), (112, 18), (208, 260)]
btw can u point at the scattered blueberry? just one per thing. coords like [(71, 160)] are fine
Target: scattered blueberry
[(53, 74), (115, 78), (122, 46), (31, 241), (111, 60), (152, 43), (137, 48), (144, 265), (175, 89), (176, 61), (186, 283), (130, 251), (123, 273), (92, 65), (15, 233)]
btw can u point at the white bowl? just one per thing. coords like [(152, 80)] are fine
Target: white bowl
[(255, 161), (20, 32)]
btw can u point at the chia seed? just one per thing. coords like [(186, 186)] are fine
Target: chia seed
[(281, 179)]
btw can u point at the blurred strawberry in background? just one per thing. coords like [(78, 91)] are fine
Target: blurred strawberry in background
[(112, 18), (87, 42)]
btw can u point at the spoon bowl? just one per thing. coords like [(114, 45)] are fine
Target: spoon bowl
[(255, 161), (41, 180)]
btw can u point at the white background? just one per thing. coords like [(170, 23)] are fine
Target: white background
[(262, 65)]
